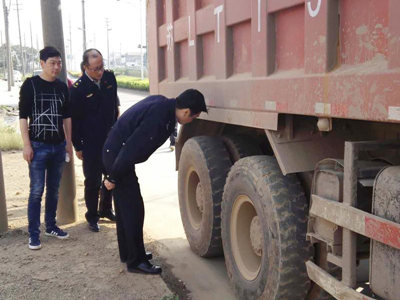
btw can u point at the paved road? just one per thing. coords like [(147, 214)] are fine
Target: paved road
[(129, 97), (6, 97), (205, 278)]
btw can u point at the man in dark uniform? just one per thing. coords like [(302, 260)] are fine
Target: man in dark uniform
[(135, 136), (95, 108)]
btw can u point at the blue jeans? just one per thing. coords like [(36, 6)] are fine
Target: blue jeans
[(45, 167)]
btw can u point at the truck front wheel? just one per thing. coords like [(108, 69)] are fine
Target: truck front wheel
[(203, 168), (264, 231)]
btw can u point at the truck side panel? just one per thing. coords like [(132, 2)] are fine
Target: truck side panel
[(336, 58)]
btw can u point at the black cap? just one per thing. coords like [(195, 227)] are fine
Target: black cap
[(192, 99)]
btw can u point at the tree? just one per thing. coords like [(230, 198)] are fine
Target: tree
[(32, 55)]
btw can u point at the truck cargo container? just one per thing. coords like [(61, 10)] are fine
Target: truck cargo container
[(293, 175)]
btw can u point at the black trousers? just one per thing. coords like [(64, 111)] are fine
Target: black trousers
[(129, 210), (93, 171)]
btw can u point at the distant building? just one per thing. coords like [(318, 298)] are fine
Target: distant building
[(132, 59)]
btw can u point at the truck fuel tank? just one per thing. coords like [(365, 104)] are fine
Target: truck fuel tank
[(385, 260)]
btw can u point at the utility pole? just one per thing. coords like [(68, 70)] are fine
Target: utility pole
[(9, 61), (70, 45), (32, 57), (25, 60), (141, 45), (4, 56), (20, 42), (108, 43), (37, 49), (120, 53), (53, 36), (83, 25)]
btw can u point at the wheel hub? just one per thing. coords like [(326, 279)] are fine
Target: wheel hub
[(195, 200), (200, 197), (246, 237), (256, 235)]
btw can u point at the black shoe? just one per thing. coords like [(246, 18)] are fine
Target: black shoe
[(94, 227), (145, 268), (108, 215), (149, 256)]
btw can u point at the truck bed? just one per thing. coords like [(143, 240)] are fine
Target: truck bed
[(256, 59)]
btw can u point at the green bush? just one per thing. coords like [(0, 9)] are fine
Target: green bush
[(124, 81), (135, 83), (75, 74), (10, 139), (129, 72)]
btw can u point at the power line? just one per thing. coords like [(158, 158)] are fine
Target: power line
[(10, 79)]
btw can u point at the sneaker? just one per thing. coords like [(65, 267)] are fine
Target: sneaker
[(57, 232), (34, 243)]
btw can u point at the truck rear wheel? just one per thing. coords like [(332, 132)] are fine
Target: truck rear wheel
[(240, 146), (203, 168), (264, 216)]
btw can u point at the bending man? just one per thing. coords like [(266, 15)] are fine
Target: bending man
[(135, 136)]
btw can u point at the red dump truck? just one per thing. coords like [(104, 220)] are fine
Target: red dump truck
[(293, 175)]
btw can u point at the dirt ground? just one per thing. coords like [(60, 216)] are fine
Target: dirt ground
[(85, 266)]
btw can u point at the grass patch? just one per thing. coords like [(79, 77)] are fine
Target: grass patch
[(10, 139), (135, 83)]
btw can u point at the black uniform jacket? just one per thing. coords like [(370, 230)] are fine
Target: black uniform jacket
[(94, 111), (137, 134)]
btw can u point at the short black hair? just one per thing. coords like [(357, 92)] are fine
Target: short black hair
[(86, 55), (48, 52), (192, 99)]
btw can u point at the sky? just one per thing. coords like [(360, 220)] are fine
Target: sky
[(123, 17)]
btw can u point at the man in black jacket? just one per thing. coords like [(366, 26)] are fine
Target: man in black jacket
[(135, 136), (94, 111)]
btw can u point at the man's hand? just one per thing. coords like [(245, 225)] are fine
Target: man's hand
[(109, 185), (28, 153), (79, 155), (68, 149)]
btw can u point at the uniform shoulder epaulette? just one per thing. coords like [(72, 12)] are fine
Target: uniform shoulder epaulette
[(77, 83), (108, 70)]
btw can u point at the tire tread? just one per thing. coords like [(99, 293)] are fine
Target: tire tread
[(290, 205)]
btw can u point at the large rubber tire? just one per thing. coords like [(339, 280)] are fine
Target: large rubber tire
[(203, 168), (240, 146), (264, 224)]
